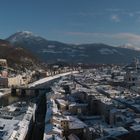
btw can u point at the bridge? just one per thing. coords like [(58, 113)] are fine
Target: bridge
[(37, 87)]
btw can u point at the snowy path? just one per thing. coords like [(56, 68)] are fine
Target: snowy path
[(47, 79)]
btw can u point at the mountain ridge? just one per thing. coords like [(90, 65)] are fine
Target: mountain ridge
[(55, 51)]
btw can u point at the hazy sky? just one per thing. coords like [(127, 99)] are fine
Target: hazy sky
[(74, 21)]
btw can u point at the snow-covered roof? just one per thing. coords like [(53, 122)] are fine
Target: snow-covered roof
[(78, 104), (137, 120), (73, 137), (116, 131), (52, 137), (9, 126), (75, 123), (51, 129), (61, 102), (135, 127)]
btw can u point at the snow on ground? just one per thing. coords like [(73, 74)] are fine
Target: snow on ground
[(47, 79)]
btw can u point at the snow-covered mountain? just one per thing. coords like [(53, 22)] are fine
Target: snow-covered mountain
[(130, 46), (53, 51), (106, 51), (21, 36), (24, 35)]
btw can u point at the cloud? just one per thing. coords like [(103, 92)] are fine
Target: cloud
[(137, 12), (116, 13), (83, 33), (130, 38), (131, 14), (115, 18), (89, 14), (114, 10)]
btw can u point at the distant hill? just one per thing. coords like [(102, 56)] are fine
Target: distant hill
[(17, 57), (54, 51)]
